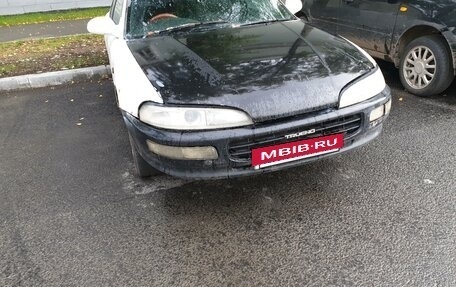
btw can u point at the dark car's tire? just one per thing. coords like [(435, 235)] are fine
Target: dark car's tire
[(143, 169), (426, 66)]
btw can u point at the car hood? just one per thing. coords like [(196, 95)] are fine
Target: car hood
[(269, 71)]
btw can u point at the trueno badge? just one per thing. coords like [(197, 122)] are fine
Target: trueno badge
[(303, 133)]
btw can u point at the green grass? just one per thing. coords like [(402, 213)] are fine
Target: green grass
[(53, 54), (42, 17)]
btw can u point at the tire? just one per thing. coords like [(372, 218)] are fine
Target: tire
[(426, 66), (143, 169)]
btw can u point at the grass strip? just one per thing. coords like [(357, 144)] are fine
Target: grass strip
[(53, 54), (42, 17)]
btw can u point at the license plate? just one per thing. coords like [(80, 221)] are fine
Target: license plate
[(282, 153)]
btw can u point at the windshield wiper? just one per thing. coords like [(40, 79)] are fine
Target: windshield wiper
[(264, 22), (190, 26)]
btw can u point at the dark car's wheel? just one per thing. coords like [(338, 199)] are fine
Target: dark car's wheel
[(425, 67), (143, 169)]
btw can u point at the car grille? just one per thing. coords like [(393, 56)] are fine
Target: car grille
[(240, 152)]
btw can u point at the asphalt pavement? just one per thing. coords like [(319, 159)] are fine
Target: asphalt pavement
[(43, 30), (73, 214)]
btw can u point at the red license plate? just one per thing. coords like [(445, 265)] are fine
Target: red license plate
[(277, 154)]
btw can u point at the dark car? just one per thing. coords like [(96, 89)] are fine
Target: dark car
[(418, 36), (222, 88)]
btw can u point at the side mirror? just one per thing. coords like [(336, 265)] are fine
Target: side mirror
[(101, 25), (293, 5)]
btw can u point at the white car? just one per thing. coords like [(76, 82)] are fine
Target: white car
[(223, 88)]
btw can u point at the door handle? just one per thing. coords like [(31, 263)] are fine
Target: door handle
[(348, 1)]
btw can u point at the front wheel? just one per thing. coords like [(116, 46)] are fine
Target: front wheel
[(425, 68), (143, 169)]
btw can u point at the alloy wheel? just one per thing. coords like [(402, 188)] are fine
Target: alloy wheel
[(419, 67)]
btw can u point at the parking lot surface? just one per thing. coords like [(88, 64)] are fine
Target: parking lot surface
[(72, 212)]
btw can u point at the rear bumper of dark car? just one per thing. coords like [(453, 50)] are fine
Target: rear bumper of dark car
[(234, 145)]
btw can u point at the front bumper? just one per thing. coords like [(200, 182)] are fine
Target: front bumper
[(228, 164)]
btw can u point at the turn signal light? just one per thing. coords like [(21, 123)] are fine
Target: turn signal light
[(183, 153)]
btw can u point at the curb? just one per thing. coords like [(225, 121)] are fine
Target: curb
[(53, 78)]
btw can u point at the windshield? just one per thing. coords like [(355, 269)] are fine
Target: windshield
[(148, 17)]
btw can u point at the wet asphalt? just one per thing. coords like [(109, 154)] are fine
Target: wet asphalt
[(73, 214)]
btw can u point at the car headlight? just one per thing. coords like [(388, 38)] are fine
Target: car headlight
[(363, 89), (189, 118)]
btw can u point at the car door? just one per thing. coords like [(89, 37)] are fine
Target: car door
[(116, 38), (115, 14), (369, 23), (322, 14)]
